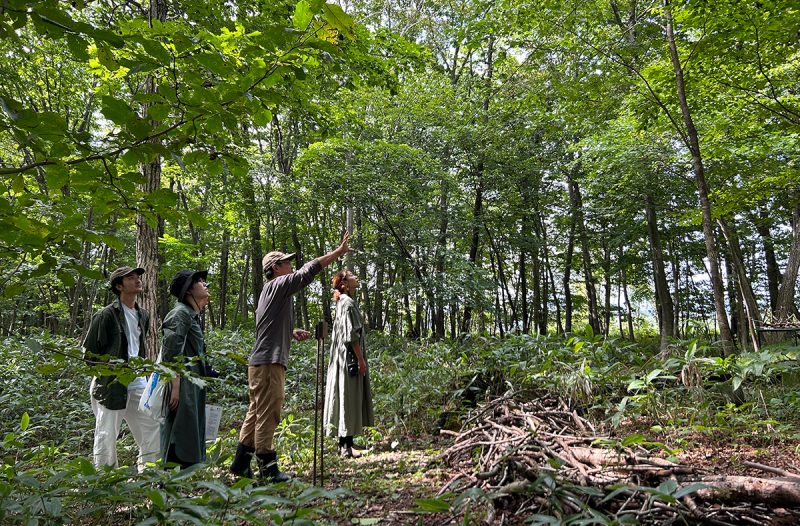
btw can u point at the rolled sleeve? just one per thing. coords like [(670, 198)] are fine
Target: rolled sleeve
[(303, 276), (354, 325)]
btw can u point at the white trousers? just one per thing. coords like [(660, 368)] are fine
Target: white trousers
[(146, 431)]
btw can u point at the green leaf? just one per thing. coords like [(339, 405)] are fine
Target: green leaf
[(24, 421), (116, 110), (46, 369), (633, 439), (157, 51), (262, 118), (302, 15), (158, 112), (157, 497), (78, 47), (13, 289), (432, 505), (66, 278), (106, 57), (652, 375), (337, 18)]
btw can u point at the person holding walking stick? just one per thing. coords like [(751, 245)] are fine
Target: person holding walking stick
[(348, 396), (266, 371)]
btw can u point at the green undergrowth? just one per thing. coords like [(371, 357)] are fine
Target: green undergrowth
[(418, 387)]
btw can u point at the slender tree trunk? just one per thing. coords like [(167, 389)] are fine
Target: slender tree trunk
[(241, 302), (498, 308), (619, 302), (567, 276), (441, 250), (607, 274), (477, 208), (224, 258), (745, 290), (763, 223), (412, 331), (254, 240), (376, 320), (362, 270), (693, 143), (523, 292), (785, 304), (676, 291), (664, 303), (547, 272), (628, 305), (586, 256)]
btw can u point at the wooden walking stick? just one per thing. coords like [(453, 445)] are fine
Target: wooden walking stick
[(320, 333)]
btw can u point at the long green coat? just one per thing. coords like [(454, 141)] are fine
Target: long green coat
[(348, 399), (186, 426)]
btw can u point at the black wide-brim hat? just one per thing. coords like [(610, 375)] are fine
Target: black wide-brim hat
[(183, 281)]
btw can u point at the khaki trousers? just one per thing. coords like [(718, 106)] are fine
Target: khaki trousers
[(266, 384)]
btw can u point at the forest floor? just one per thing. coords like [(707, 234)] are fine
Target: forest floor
[(388, 482)]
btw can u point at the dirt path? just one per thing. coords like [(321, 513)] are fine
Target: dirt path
[(387, 482)]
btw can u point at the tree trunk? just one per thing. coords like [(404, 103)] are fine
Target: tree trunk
[(441, 249), (586, 256), (301, 301), (376, 320), (624, 284), (224, 258), (607, 273), (693, 143), (676, 291), (147, 229), (763, 223), (785, 304), (664, 305), (498, 308), (547, 273), (567, 276), (254, 241), (742, 282), (477, 208), (523, 291)]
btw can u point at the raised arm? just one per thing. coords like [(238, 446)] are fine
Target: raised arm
[(331, 256)]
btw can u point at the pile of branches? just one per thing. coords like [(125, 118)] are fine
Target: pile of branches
[(538, 457)]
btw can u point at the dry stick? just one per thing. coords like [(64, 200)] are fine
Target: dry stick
[(771, 469)]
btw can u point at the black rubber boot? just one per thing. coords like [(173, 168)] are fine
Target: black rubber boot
[(268, 468), (241, 462)]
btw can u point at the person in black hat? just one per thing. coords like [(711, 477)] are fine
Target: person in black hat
[(183, 432), (266, 371), (119, 332)]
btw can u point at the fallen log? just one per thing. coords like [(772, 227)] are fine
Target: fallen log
[(779, 491)]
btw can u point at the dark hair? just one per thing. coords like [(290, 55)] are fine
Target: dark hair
[(269, 272), (114, 288)]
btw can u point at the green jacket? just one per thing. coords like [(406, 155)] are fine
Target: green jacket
[(107, 341), (185, 428)]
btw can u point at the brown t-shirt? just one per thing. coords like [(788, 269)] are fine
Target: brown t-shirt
[(274, 315)]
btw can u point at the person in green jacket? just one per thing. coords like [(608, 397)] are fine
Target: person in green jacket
[(183, 432), (117, 333)]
